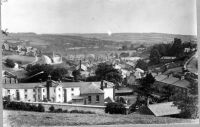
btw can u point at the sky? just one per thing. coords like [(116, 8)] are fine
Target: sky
[(100, 16)]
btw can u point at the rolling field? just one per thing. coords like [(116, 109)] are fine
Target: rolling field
[(23, 59), (25, 118)]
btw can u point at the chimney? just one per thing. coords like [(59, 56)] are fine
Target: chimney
[(101, 85), (80, 66), (106, 85), (48, 85)]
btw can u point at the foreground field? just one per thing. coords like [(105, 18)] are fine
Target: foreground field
[(24, 118)]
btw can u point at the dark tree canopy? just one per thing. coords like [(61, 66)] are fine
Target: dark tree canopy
[(189, 103), (77, 75), (56, 73), (142, 65), (155, 56), (107, 72), (10, 63)]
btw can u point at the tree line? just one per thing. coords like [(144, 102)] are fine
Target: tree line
[(175, 49)]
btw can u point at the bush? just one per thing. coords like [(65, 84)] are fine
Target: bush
[(40, 108), (74, 111), (10, 63), (51, 109), (115, 108), (58, 110), (22, 106)]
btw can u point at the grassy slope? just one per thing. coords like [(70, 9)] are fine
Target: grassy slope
[(24, 118)]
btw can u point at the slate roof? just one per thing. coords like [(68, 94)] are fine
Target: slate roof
[(22, 85), (160, 77), (182, 83), (91, 89), (84, 84), (170, 80), (164, 109)]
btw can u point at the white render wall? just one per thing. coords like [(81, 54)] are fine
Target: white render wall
[(70, 93), (108, 92)]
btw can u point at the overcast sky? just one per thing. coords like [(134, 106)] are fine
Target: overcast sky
[(100, 16)]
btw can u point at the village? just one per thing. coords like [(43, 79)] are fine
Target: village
[(99, 63), (86, 83)]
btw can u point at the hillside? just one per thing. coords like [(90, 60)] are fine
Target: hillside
[(66, 43), (139, 37)]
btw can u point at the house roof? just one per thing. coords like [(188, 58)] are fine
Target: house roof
[(77, 98), (163, 109), (92, 88), (182, 83), (160, 77), (22, 85), (170, 80), (84, 84)]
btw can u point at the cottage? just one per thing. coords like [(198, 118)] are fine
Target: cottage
[(89, 93)]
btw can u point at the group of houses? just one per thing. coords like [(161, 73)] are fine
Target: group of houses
[(20, 48), (88, 93)]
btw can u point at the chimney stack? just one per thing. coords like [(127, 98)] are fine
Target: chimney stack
[(48, 85), (101, 85), (80, 66), (106, 85)]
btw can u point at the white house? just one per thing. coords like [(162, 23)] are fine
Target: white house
[(93, 93)]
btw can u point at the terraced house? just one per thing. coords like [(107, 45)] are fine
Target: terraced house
[(89, 93)]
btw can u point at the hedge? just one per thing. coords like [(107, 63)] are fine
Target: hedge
[(22, 106), (115, 108)]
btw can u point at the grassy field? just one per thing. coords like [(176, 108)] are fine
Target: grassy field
[(24, 118), (23, 59)]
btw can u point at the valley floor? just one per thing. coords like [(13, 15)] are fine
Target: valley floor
[(25, 118)]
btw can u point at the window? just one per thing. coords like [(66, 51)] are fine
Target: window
[(72, 89), (72, 94), (25, 90), (43, 90), (25, 96), (89, 99), (33, 90), (54, 90), (97, 98), (8, 91), (59, 95)]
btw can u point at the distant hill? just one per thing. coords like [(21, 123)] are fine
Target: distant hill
[(101, 41), (139, 37)]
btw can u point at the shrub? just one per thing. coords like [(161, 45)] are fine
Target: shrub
[(74, 111), (115, 108), (51, 109), (10, 63), (58, 110), (40, 108), (65, 111)]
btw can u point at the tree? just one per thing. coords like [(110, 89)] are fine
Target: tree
[(124, 47), (107, 72), (146, 88), (142, 65), (168, 92), (124, 54), (77, 75), (59, 73), (154, 56), (189, 103), (33, 71), (176, 48), (10, 63)]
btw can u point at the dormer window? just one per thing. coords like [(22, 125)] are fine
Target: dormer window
[(72, 89)]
